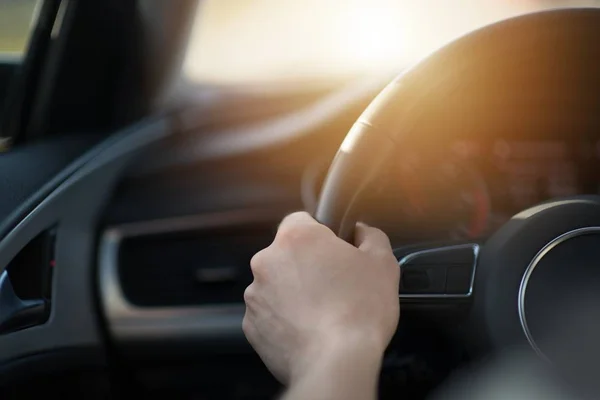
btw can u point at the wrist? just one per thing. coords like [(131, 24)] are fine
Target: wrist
[(361, 353)]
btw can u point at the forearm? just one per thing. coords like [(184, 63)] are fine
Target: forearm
[(345, 373)]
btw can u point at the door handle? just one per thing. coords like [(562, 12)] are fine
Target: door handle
[(15, 313)]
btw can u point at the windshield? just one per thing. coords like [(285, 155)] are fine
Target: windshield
[(237, 41)]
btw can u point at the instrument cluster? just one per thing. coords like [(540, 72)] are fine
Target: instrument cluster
[(466, 189)]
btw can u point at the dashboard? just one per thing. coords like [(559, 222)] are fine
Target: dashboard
[(188, 221), (237, 171), (462, 183), (459, 189)]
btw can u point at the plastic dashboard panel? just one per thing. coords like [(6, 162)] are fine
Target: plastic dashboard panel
[(73, 206), (129, 322)]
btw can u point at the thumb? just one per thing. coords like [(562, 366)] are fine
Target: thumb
[(370, 239)]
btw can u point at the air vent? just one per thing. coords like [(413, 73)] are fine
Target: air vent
[(196, 267)]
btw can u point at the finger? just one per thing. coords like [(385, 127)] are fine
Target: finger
[(370, 239), (300, 217)]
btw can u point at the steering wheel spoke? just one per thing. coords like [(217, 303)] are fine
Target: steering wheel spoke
[(438, 274)]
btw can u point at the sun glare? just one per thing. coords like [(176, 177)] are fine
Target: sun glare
[(284, 40), (374, 38)]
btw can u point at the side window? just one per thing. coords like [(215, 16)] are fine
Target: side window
[(17, 20)]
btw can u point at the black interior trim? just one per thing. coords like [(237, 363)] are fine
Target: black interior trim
[(9, 67), (28, 174), (73, 206), (24, 368)]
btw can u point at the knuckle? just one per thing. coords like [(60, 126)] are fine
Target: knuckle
[(299, 214), (382, 237), (289, 234), (298, 234), (295, 217), (391, 257), (258, 265), (298, 227), (388, 261), (384, 255), (249, 295)]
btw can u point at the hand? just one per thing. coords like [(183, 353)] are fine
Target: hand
[(314, 294)]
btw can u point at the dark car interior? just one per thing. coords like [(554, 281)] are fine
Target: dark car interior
[(132, 200)]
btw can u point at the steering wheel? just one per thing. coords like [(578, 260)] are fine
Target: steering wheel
[(536, 275)]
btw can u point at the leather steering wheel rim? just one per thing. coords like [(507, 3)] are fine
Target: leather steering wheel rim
[(488, 67)]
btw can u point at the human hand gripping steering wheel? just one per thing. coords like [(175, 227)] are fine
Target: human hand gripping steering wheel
[(336, 305)]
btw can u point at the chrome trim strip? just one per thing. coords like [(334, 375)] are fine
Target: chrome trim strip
[(438, 296), (529, 271), (127, 321), (201, 221)]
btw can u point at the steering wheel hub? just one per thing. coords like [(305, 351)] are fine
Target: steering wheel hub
[(558, 296), (536, 277)]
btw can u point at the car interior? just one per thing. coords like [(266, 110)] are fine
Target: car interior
[(141, 169)]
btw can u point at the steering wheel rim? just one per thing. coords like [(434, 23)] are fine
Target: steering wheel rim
[(495, 57), (493, 65)]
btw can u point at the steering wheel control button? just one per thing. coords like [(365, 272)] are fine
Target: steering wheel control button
[(458, 279), (415, 280), (423, 280), (444, 256), (444, 272)]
